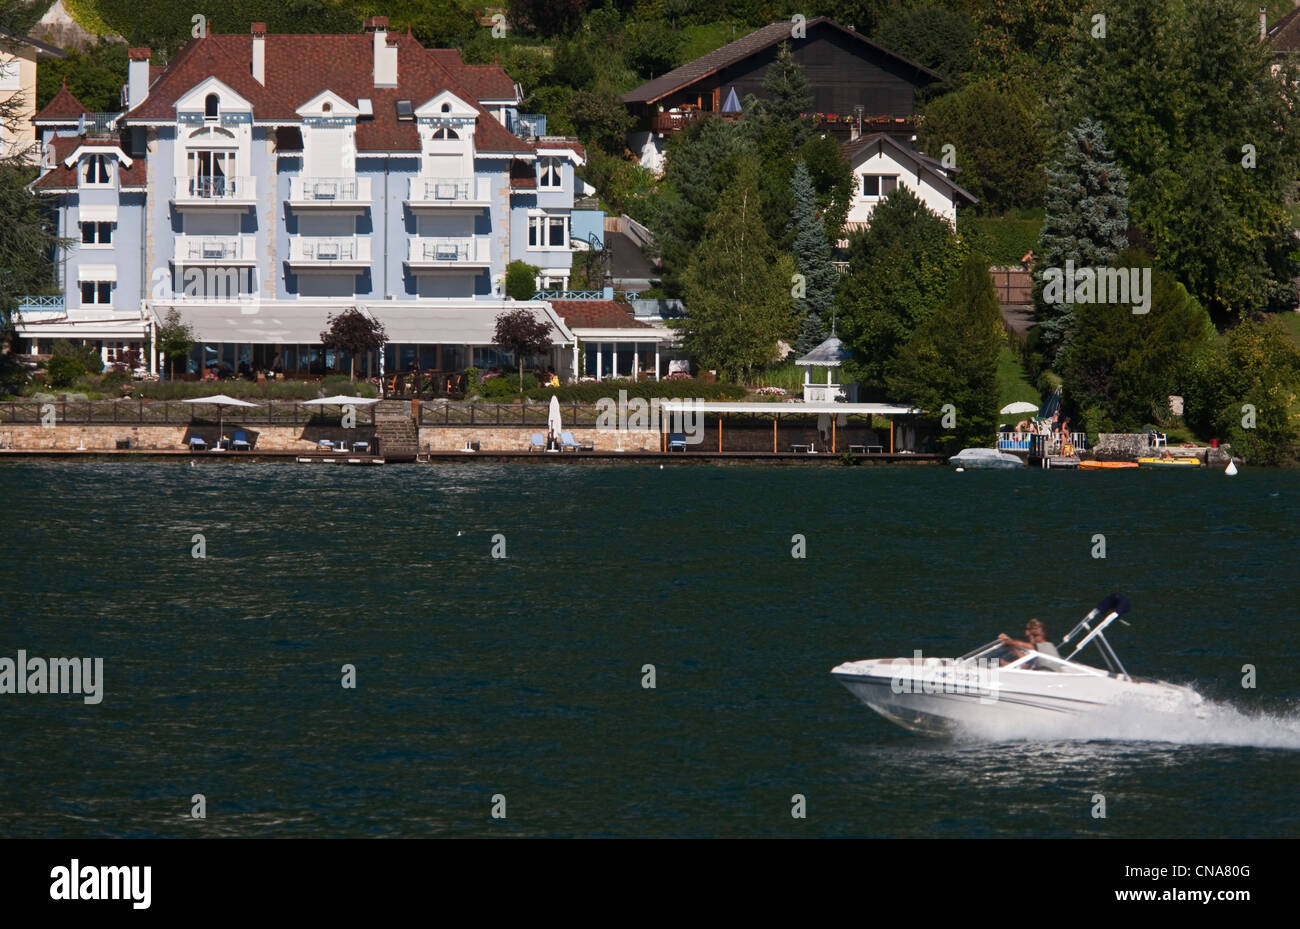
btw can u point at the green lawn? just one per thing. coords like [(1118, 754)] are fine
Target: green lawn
[(700, 40), (1012, 385), (1291, 321)]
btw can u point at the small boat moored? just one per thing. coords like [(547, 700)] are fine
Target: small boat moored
[(984, 459), (1169, 463)]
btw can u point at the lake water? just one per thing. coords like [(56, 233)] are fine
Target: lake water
[(522, 676)]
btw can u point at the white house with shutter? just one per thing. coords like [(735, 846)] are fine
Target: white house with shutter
[(881, 163)]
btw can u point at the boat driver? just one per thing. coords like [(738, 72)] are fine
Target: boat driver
[(1036, 634)]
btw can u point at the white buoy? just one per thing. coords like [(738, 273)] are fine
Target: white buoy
[(1231, 469), (960, 470), (661, 467), (459, 534)]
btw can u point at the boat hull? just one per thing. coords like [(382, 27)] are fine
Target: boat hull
[(941, 696), (1169, 463)]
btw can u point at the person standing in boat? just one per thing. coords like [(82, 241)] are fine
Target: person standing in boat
[(1036, 634)]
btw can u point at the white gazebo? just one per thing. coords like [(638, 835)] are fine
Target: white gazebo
[(829, 355)]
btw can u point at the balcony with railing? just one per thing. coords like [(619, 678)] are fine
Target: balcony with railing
[(448, 193), (465, 252), (209, 191), (41, 309), (324, 253), (329, 193), (216, 249)]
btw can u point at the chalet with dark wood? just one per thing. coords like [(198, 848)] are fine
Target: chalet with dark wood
[(858, 85)]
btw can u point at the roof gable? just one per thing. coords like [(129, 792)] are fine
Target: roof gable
[(868, 146), (742, 48), (63, 107), (299, 68)]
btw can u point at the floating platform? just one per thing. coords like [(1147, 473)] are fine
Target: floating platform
[(341, 459)]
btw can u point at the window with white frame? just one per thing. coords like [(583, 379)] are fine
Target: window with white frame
[(549, 176), (96, 171), (878, 185), (96, 293), (212, 107), (548, 232), (96, 233), (210, 173)]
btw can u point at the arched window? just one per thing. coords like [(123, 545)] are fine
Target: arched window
[(445, 133), (211, 107), (327, 107), (446, 107)]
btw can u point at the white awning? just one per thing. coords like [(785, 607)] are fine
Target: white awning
[(273, 322), (260, 323), (97, 213), (464, 324), (97, 273)]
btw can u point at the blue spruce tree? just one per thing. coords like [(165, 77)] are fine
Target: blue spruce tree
[(1086, 222), (812, 255)]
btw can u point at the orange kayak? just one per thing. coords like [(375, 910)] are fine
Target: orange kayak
[(1098, 465)]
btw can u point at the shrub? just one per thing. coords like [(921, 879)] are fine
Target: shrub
[(62, 370)]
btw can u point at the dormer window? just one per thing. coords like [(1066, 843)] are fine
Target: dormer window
[(97, 171), (446, 107), (549, 176), (212, 107), (445, 133), (327, 107)]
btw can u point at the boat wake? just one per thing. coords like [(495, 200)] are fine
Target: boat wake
[(1208, 723)]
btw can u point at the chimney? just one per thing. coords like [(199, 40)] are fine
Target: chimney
[(259, 53), (385, 54), (137, 76)]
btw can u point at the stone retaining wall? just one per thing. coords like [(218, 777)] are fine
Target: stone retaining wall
[(739, 437), (1127, 446)]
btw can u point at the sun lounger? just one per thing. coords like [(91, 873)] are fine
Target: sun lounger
[(568, 443), (536, 443), (241, 441), (677, 442), (197, 443)]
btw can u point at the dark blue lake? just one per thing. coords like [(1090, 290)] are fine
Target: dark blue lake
[(522, 676)]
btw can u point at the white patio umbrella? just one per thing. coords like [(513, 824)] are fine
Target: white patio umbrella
[(340, 400), (1020, 406), (220, 401), (553, 417)]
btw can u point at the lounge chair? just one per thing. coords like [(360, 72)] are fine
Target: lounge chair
[(677, 441), (568, 443), (324, 445), (536, 443), (240, 441), (197, 443)]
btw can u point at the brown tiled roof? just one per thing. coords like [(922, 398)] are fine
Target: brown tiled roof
[(1284, 35), (572, 145), (64, 107), (488, 82), (597, 314), (742, 48), (299, 67), (62, 176)]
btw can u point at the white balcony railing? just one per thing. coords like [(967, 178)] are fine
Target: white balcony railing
[(214, 190), (447, 192), (465, 251), (329, 191), (215, 249), (330, 251)]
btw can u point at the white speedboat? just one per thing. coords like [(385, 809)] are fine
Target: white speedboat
[(977, 691), (984, 458)]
